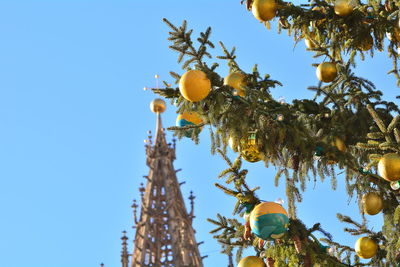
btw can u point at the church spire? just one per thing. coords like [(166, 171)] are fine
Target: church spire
[(164, 233)]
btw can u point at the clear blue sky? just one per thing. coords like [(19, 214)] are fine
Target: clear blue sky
[(73, 116)]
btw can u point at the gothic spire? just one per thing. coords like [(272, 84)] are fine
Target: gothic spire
[(164, 233)]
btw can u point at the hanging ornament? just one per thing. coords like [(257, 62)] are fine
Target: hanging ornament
[(236, 80), (366, 247), (194, 85), (264, 10), (158, 105), (251, 261), (343, 8), (326, 72), (395, 185), (389, 167), (269, 220), (339, 144), (372, 203), (309, 43), (370, 15), (249, 148), (189, 118), (366, 44)]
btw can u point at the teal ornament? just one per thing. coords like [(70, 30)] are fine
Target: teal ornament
[(269, 221), (188, 118), (363, 171), (324, 248), (319, 151)]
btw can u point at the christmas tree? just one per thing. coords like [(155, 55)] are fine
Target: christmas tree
[(347, 126)]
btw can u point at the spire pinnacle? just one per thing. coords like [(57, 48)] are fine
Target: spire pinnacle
[(124, 252)]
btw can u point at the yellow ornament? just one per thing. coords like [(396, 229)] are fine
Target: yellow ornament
[(326, 72), (309, 43), (249, 149), (264, 10), (366, 44), (158, 105), (194, 85), (339, 144), (389, 167), (366, 247), (251, 261), (372, 203), (233, 143), (236, 80), (343, 8)]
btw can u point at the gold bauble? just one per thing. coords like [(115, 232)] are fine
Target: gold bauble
[(194, 85), (343, 8), (236, 80), (339, 144), (389, 167), (326, 72), (249, 149), (372, 203), (264, 10), (251, 261), (366, 44), (158, 105), (233, 143), (366, 247), (309, 43)]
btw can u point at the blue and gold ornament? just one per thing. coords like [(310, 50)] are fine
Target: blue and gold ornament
[(269, 221), (188, 118)]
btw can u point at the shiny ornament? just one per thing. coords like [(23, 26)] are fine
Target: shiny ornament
[(309, 43), (343, 8), (188, 118), (249, 149), (158, 105), (251, 261), (366, 247), (339, 144), (194, 85), (389, 167), (236, 80), (269, 220), (366, 44), (264, 10), (326, 72), (233, 144), (395, 185), (372, 203)]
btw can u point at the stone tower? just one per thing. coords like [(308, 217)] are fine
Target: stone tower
[(164, 233)]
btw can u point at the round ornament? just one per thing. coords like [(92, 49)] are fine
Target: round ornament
[(343, 8), (188, 118), (395, 185), (389, 167), (366, 44), (326, 72), (372, 203), (264, 10), (269, 220), (249, 149), (251, 261), (194, 85), (158, 105), (366, 247), (339, 144), (236, 80)]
